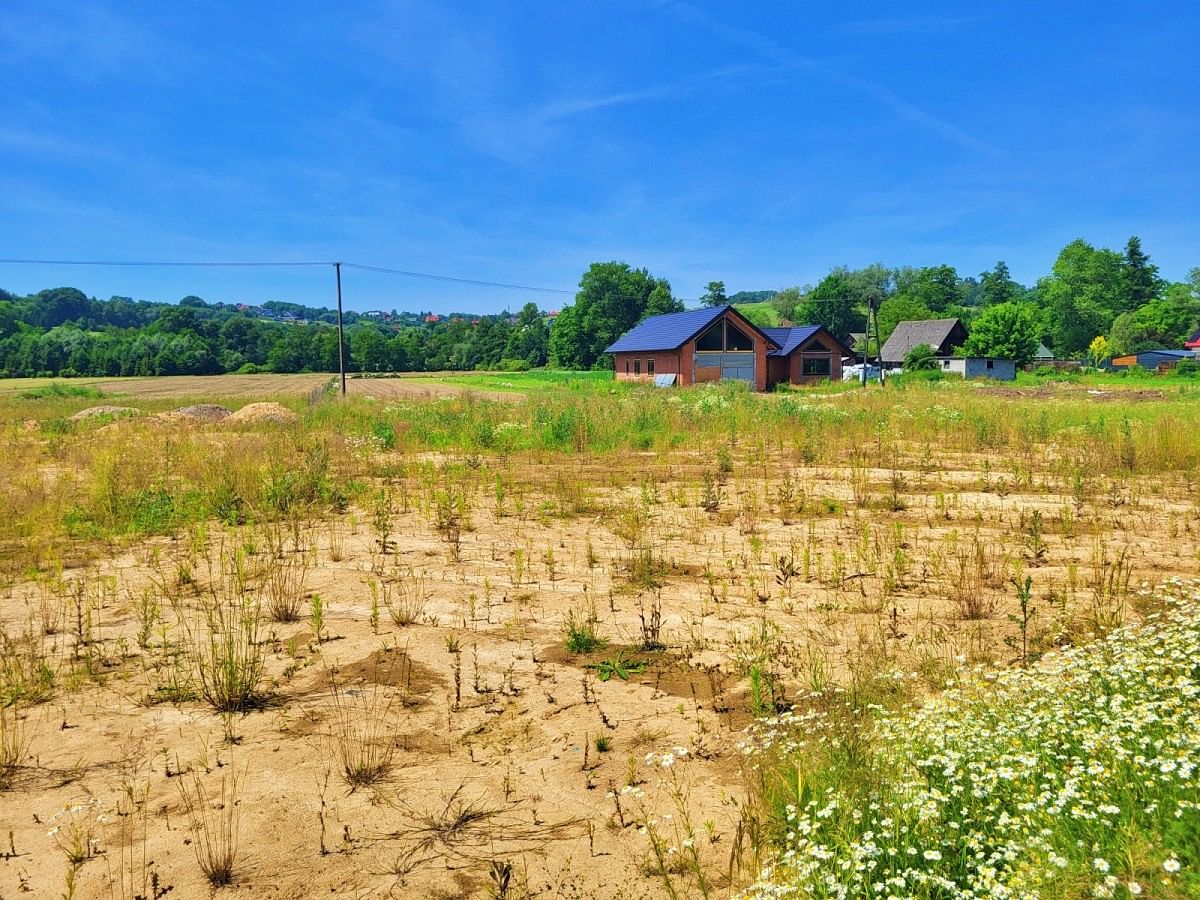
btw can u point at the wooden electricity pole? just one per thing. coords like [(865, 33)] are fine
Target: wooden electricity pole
[(874, 307), (337, 266)]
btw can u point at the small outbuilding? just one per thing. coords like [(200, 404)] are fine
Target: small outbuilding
[(719, 343), (979, 367), (1153, 360), (943, 335)]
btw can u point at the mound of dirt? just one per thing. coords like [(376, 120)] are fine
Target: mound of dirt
[(204, 412), (257, 413), (93, 411)]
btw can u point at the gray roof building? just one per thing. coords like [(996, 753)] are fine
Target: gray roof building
[(943, 335)]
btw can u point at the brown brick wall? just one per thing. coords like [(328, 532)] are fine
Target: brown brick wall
[(665, 363)]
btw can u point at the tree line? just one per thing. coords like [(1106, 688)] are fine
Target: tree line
[(1090, 292), (62, 332)]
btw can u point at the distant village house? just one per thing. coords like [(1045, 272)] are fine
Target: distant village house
[(719, 343)]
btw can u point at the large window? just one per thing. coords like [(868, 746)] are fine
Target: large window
[(649, 367), (735, 339), (713, 339), (724, 336), (816, 365), (637, 367)]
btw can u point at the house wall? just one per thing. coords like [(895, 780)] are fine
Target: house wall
[(791, 368), (818, 346), (665, 363), (778, 369)]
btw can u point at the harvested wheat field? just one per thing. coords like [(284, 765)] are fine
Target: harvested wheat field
[(212, 387), (602, 643)]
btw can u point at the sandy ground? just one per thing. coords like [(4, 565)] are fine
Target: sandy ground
[(492, 723)]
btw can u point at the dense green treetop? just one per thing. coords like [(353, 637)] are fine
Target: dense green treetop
[(1005, 331)]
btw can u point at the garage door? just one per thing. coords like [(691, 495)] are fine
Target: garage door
[(733, 366)]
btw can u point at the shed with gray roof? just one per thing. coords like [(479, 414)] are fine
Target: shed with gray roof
[(943, 335)]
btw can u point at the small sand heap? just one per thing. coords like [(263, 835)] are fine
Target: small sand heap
[(93, 411), (257, 413)]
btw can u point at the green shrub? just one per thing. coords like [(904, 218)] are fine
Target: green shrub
[(920, 358), (57, 390)]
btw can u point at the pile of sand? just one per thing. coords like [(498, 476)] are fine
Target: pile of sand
[(257, 413), (93, 411)]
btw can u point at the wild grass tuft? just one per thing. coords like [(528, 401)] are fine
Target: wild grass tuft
[(364, 733), (214, 819)]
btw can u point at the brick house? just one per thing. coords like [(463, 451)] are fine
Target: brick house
[(712, 344)]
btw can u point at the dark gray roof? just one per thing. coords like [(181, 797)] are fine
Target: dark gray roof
[(789, 339), (934, 332), (665, 332), (673, 330)]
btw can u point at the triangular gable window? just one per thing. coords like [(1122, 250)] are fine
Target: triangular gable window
[(724, 336)]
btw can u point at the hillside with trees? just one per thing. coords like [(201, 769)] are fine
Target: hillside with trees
[(63, 332)]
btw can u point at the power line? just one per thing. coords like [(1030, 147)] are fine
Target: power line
[(109, 262), (455, 279), (266, 263), (383, 270)]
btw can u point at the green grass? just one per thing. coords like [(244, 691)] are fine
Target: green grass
[(56, 390), (1073, 779), (763, 314), (528, 382)]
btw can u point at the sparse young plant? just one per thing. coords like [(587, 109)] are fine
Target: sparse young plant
[(407, 598), (223, 644), (14, 746), (363, 733), (215, 819), (580, 634)]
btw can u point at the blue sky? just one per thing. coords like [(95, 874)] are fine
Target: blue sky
[(760, 144)]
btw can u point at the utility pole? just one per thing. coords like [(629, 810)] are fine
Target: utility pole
[(867, 339), (337, 267), (878, 343)]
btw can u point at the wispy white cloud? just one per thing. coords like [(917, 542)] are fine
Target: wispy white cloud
[(777, 53), (563, 108)]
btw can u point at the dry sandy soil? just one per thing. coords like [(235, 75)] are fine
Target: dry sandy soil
[(492, 723)]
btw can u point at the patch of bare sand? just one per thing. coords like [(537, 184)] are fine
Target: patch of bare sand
[(258, 413)]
